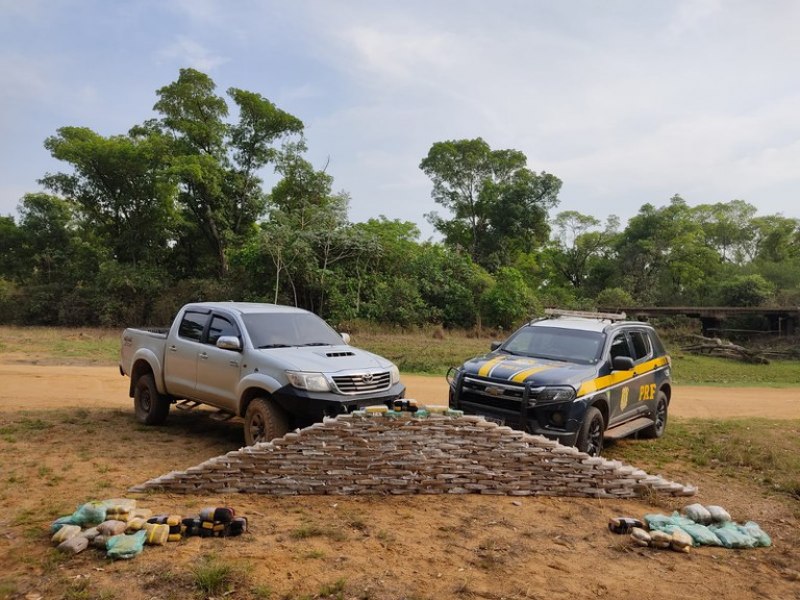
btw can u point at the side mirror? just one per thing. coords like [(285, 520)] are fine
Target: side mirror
[(229, 342), (345, 338), (495, 345), (622, 363)]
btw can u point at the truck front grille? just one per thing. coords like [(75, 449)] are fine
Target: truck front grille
[(363, 382), (492, 394)]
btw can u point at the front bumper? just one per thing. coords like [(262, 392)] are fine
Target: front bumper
[(313, 406), (560, 422)]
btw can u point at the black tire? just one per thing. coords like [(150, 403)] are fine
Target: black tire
[(590, 435), (151, 407), (656, 430), (264, 421)]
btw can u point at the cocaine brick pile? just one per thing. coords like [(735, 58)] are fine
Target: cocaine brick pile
[(434, 450)]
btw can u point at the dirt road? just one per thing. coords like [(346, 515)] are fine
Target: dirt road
[(44, 387)]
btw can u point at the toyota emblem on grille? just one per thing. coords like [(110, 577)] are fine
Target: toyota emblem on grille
[(366, 378)]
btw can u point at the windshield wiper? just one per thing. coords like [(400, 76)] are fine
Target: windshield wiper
[(510, 352), (317, 344), (273, 346)]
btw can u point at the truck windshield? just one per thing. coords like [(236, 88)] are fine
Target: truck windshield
[(556, 343), (281, 330)]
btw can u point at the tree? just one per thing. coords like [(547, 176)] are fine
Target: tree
[(728, 228), (509, 301), (746, 290), (664, 255), (216, 163), (120, 188), (497, 205), (577, 242)]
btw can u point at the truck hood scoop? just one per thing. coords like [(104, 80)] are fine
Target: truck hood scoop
[(339, 354)]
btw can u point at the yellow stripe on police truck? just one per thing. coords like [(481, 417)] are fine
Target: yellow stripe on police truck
[(616, 377), (523, 375)]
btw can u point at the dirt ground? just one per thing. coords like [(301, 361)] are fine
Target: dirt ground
[(67, 435), (58, 386)]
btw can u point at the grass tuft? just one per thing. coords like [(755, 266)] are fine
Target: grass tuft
[(213, 577)]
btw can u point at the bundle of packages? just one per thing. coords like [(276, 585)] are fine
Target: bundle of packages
[(175, 524), (119, 509), (214, 521)]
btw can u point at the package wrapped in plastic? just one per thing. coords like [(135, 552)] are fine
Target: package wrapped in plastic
[(141, 513), (640, 536), (65, 532), (657, 522), (99, 541), (60, 522), (112, 527), (660, 539), (681, 541), (221, 514), (718, 514), (697, 513), (119, 509), (135, 524), (90, 514), (759, 535), (74, 545), (701, 534), (732, 536), (157, 534), (90, 533), (119, 505), (126, 546)]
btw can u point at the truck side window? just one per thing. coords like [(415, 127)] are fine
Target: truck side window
[(641, 345), (619, 347), (221, 326), (192, 326)]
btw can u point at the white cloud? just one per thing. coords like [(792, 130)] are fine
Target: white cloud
[(189, 53)]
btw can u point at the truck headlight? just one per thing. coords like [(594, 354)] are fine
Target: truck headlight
[(312, 382), (394, 373), (555, 394)]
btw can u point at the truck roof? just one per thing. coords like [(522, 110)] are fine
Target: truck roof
[(586, 324), (244, 308)]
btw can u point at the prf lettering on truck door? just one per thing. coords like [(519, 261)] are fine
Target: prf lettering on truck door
[(647, 392)]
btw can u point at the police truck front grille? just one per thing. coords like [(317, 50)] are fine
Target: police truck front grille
[(365, 382), (488, 393)]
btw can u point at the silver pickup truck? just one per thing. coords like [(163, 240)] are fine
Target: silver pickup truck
[(278, 367)]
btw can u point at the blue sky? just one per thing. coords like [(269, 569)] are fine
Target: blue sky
[(626, 101)]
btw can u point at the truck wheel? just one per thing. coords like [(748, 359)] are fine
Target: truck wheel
[(151, 407), (656, 430), (590, 436), (264, 421)]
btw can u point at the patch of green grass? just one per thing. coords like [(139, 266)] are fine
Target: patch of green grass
[(8, 589), (759, 450), (212, 577), (709, 370)]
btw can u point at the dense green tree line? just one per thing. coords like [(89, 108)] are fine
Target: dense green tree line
[(175, 210)]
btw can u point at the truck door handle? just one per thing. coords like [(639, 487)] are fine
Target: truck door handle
[(203, 355), (233, 363), (173, 348)]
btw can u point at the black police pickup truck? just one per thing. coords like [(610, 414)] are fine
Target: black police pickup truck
[(576, 377)]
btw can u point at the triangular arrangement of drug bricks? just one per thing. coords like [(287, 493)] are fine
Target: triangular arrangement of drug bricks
[(376, 454)]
